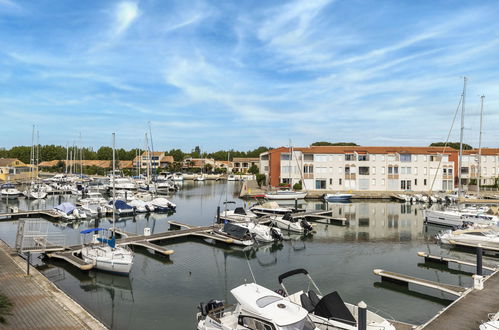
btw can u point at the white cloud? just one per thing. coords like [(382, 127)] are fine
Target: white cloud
[(126, 13)]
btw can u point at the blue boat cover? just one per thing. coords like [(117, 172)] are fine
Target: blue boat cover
[(65, 207), (121, 205), (7, 186), (91, 230)]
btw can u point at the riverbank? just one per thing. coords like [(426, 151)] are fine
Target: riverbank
[(38, 303)]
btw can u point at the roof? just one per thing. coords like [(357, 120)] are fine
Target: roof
[(10, 162), (279, 310), (484, 152), (155, 153), (167, 159), (369, 150), (246, 159), (98, 163)]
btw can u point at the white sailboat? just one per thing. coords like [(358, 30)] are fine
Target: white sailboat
[(9, 191), (107, 256), (485, 236)]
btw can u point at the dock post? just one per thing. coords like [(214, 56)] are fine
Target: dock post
[(296, 204), (218, 214), (362, 316), (479, 254), (27, 262), (60, 199)]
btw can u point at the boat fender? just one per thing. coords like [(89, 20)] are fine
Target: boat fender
[(281, 292)]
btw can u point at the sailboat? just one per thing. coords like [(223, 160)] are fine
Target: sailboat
[(104, 253), (287, 194), (459, 217)]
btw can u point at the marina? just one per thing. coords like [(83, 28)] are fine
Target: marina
[(382, 235)]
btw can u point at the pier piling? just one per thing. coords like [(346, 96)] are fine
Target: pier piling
[(479, 256), (362, 318)]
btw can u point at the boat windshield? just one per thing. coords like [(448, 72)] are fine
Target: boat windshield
[(267, 300), (305, 324)]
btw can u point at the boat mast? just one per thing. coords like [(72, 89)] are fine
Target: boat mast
[(114, 181), (480, 147), (461, 141), (289, 163)]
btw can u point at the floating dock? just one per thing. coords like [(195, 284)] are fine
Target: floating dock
[(30, 214), (446, 261), (406, 280)]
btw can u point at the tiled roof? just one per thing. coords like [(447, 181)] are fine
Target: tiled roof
[(370, 150)]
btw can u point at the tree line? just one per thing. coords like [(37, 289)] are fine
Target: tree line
[(53, 152)]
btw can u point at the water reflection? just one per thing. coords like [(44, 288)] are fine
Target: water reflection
[(166, 290)]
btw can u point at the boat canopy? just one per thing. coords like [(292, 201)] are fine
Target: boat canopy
[(66, 207), (236, 231), (119, 204), (91, 230), (7, 186), (331, 306)]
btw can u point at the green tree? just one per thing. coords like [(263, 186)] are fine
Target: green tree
[(323, 143), (260, 179), (453, 145), (105, 153), (207, 168), (254, 169), (177, 154)]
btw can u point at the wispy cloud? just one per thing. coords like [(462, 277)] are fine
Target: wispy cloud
[(126, 13)]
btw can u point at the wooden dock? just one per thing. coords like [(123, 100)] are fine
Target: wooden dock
[(446, 261), (484, 247), (406, 280), (470, 310), (30, 214)]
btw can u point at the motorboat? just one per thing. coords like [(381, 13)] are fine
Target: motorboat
[(485, 236), (238, 214), (36, 191), (142, 206), (261, 233), (121, 207), (337, 197), (231, 177), (257, 308), (199, 178), (178, 177), (492, 323), (458, 218), (330, 311), (9, 191), (270, 208), (104, 253), (285, 194), (239, 235), (162, 204), (289, 223), (123, 184), (68, 211)]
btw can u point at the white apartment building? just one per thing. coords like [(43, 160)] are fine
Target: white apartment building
[(489, 167), (341, 168)]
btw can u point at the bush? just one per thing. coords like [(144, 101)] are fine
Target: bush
[(297, 186), (260, 179)]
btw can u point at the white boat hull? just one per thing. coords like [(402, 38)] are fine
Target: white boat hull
[(286, 195)]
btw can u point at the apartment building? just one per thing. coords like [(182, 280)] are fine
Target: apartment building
[(242, 165), (158, 159), (14, 169), (489, 166), (362, 168)]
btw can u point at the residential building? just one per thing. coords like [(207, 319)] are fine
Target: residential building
[(345, 168), (242, 165), (158, 159), (74, 165), (14, 169), (489, 166)]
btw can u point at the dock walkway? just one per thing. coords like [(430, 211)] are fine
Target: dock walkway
[(469, 311), (38, 303)]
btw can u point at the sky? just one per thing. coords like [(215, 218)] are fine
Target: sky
[(241, 74)]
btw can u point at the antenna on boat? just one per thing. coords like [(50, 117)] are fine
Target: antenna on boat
[(251, 270)]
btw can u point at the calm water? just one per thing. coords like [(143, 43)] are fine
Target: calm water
[(164, 292)]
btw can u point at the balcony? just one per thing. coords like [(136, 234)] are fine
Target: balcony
[(393, 176), (351, 176), (308, 176)]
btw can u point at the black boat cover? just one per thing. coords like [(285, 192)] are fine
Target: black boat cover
[(236, 231), (239, 210), (331, 306)]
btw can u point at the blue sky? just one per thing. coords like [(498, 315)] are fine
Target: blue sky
[(240, 74)]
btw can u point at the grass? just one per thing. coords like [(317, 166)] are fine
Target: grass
[(5, 307)]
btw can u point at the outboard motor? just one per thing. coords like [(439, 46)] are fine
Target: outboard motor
[(308, 227), (276, 234), (212, 305)]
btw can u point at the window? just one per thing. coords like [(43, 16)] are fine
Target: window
[(415, 182), (363, 170), (265, 168), (383, 182), (424, 182), (373, 157), (347, 169), (330, 181), (373, 170), (373, 182), (339, 182), (349, 157), (408, 170), (264, 157), (405, 158), (415, 170), (382, 170), (391, 158), (340, 170), (395, 170), (382, 158), (465, 170), (363, 158), (308, 157), (254, 324), (286, 180), (285, 156), (308, 169), (425, 172), (390, 170), (402, 170), (424, 158), (320, 184)]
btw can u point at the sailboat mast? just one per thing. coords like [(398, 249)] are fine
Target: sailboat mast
[(114, 188), (289, 163), (480, 146), (461, 140)]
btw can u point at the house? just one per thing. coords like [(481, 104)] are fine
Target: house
[(242, 165), (13, 169), (158, 159)]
